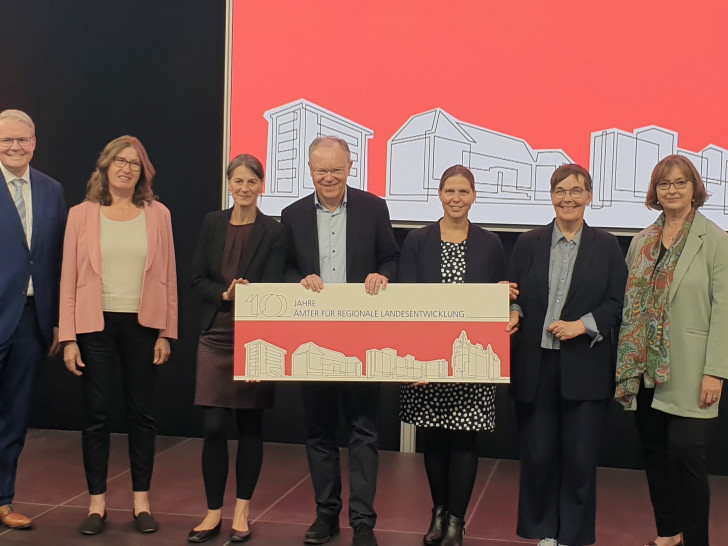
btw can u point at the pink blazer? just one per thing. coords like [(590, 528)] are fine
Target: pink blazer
[(80, 306)]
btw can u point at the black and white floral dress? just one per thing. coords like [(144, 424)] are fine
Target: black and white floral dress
[(455, 406)]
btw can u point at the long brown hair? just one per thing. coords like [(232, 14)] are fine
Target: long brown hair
[(97, 188)]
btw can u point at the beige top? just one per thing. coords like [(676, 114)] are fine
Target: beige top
[(123, 255)]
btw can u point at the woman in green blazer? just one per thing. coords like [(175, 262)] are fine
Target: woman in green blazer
[(672, 347)]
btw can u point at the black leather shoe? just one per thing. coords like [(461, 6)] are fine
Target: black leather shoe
[(454, 532), (364, 536), (205, 534), (93, 524), (437, 526), (321, 531), (144, 522), (241, 536)]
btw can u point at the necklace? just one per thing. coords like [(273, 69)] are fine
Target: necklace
[(672, 239)]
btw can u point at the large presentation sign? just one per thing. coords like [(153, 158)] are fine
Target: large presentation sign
[(511, 90), (408, 332)]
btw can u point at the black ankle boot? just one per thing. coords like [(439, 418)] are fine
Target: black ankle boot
[(453, 535), (437, 526)]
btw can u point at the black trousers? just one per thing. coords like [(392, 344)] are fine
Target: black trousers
[(674, 450), (20, 357), (559, 443), (451, 462), (359, 402), (215, 458), (126, 345)]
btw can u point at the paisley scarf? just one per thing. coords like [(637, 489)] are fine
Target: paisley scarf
[(644, 337)]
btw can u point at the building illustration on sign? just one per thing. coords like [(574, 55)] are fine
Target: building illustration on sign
[(311, 360), (621, 165), (387, 363), (505, 167), (291, 129), (470, 362), (264, 359)]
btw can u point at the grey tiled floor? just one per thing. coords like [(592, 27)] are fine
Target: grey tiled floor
[(51, 489)]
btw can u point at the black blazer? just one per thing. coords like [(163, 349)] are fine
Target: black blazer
[(370, 244), (597, 287), (264, 258), (422, 255)]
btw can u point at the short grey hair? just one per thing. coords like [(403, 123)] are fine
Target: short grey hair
[(328, 139), (18, 115)]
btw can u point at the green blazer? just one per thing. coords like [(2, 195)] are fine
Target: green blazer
[(698, 319)]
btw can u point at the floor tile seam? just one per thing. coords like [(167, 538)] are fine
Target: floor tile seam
[(284, 495), (175, 446), (482, 492)]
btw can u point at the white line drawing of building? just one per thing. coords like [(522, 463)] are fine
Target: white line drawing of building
[(263, 359), (291, 129), (506, 168), (311, 360), (471, 361), (621, 164), (385, 363)]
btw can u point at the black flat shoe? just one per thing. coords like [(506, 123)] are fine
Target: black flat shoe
[(204, 534), (240, 536), (93, 524), (144, 522)]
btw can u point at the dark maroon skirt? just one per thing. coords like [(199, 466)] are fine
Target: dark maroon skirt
[(215, 385)]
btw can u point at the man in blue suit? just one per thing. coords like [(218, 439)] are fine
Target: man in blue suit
[(32, 222)]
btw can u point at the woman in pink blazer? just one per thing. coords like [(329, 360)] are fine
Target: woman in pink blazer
[(118, 309)]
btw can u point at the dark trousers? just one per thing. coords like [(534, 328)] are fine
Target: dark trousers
[(674, 450), (359, 402), (559, 443), (125, 344), (215, 458), (20, 357), (451, 462)]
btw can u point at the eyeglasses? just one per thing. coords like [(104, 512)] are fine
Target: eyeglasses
[(664, 185), (121, 162), (573, 192), (338, 171), (6, 142)]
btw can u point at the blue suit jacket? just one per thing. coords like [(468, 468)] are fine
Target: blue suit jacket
[(597, 287), (42, 260)]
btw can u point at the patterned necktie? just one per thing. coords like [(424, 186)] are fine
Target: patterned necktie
[(20, 202)]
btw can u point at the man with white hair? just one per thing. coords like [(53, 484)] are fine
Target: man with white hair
[(340, 234), (32, 222)]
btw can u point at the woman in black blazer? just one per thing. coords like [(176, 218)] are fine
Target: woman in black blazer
[(236, 246), (571, 279), (451, 250)]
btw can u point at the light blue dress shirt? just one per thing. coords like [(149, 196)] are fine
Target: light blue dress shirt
[(332, 241), (561, 268)]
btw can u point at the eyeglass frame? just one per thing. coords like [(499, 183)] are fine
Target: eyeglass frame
[(665, 185), (337, 172), (122, 162), (561, 192), (10, 141)]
